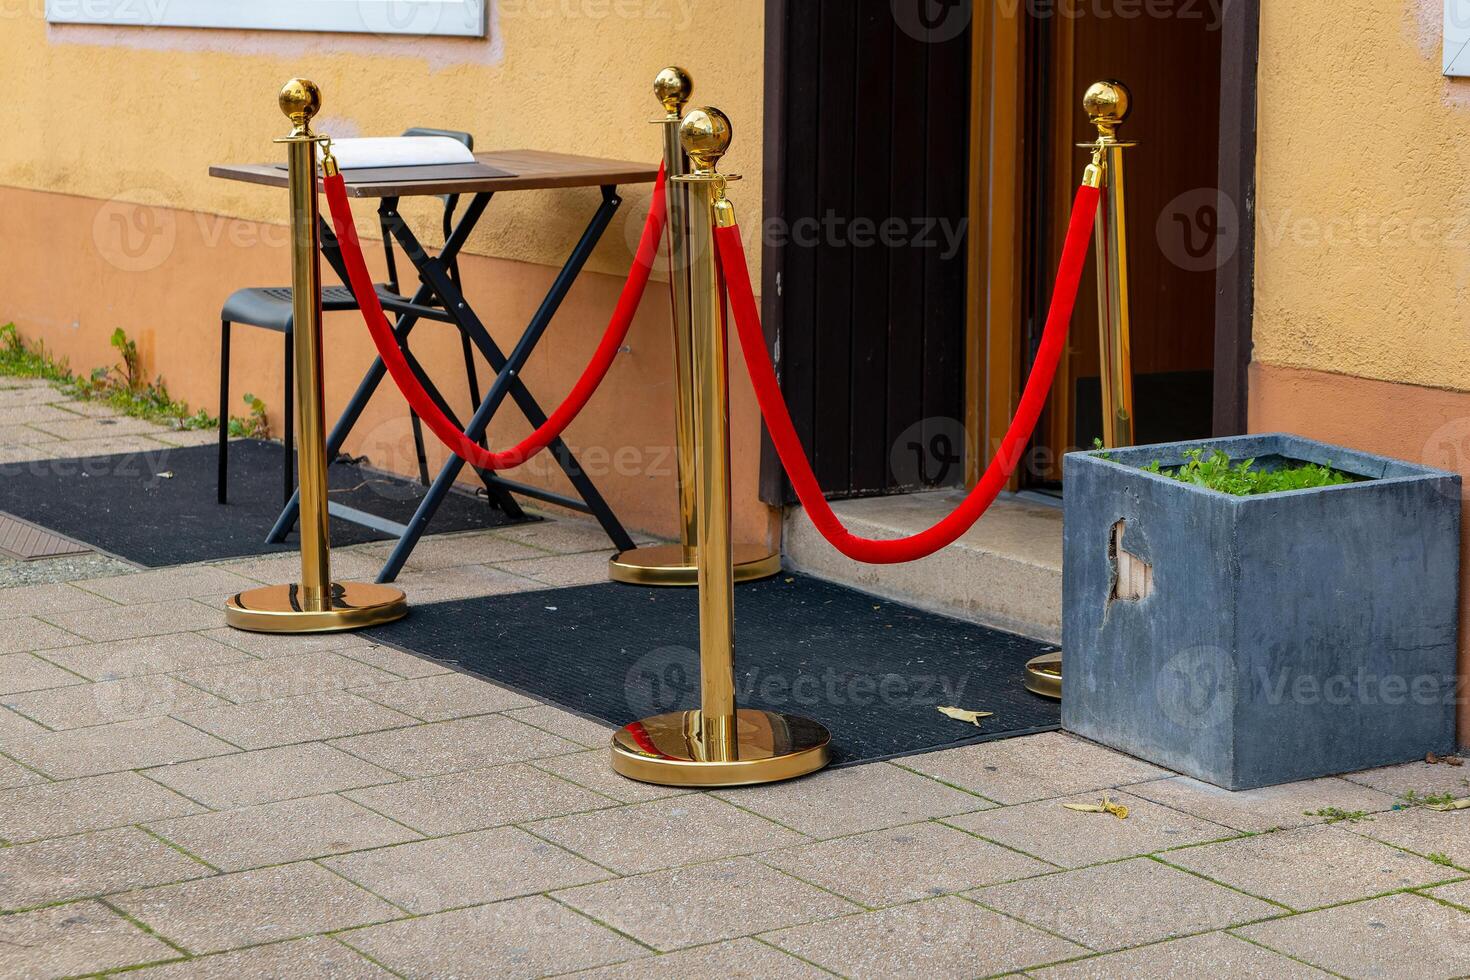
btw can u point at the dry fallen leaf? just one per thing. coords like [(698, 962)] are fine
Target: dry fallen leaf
[(1106, 806), (1453, 761), (972, 717), (1455, 805)]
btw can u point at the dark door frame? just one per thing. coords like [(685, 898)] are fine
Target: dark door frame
[(774, 488), (1235, 279)]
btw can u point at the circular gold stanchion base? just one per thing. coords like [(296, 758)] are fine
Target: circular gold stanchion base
[(277, 609), (667, 750), (1044, 675), (670, 564)]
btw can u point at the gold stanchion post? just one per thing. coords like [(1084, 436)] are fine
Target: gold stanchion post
[(718, 744), (316, 604), (677, 564), (1107, 104)]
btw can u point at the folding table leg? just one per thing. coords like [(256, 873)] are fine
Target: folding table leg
[(508, 382), (222, 488), (420, 451), (403, 326), (288, 460), (498, 497), (472, 376), (434, 281)]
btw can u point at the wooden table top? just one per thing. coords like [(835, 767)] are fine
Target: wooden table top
[(530, 169)]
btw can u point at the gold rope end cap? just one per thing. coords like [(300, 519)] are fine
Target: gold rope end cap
[(724, 213)]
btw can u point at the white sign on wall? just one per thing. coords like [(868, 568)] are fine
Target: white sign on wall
[(1457, 38), (454, 18)]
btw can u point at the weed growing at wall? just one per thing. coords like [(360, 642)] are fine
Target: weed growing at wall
[(123, 386)]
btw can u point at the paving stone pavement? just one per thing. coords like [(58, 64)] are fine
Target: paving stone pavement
[(195, 802), (182, 801)]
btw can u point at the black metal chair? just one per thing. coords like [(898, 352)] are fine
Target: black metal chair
[(269, 307)]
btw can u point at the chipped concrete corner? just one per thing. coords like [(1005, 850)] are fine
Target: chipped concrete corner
[(1133, 578)]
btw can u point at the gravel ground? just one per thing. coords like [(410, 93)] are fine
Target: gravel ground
[(68, 569)]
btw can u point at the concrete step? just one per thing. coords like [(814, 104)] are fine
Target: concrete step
[(1005, 572)]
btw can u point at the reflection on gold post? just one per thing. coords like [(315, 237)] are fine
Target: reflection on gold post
[(675, 564), (1107, 104), (717, 745), (316, 604)]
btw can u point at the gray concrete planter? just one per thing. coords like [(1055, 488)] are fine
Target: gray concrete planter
[(1251, 641)]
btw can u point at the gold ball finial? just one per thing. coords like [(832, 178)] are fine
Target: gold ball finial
[(1107, 104), (300, 100), (705, 134), (672, 87)]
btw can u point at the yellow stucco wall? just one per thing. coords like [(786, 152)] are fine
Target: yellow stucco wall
[(139, 113), (1363, 239), (1363, 209)]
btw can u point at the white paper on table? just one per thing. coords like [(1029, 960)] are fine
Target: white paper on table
[(360, 153)]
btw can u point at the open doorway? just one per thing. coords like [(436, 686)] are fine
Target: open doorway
[(1171, 65), (903, 364), (1191, 70)]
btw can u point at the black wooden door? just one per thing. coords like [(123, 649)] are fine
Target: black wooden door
[(865, 255)]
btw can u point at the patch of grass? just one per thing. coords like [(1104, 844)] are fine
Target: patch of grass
[(1413, 799), (1334, 814), (126, 388), (123, 386), (18, 360), (1442, 859)]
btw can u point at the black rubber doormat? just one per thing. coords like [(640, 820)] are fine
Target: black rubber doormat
[(158, 508), (874, 672)]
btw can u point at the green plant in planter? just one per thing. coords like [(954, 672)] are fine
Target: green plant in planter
[(1216, 472)]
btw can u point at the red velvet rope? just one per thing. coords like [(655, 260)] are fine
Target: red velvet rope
[(439, 423), (997, 474)]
